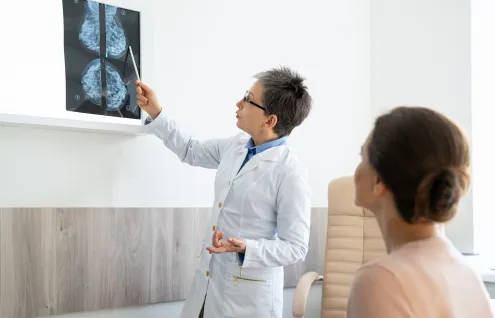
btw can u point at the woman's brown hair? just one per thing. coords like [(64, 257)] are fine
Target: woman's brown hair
[(423, 158)]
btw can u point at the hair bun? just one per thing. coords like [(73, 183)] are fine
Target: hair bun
[(438, 195)]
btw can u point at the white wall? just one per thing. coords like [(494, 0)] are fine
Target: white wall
[(202, 54), (483, 99), (420, 55)]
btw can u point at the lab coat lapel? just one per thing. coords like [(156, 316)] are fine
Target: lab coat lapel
[(238, 162), (250, 165), (272, 154)]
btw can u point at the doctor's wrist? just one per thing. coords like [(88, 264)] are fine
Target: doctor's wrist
[(153, 114)]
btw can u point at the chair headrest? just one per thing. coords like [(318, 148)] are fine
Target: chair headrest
[(341, 198)]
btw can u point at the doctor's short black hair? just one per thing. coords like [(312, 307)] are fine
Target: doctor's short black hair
[(286, 96)]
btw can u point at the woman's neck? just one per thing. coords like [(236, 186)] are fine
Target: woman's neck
[(409, 233), (396, 232), (259, 140)]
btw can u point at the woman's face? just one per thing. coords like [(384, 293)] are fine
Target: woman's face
[(368, 185), (249, 117)]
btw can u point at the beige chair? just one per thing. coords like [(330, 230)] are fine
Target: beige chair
[(353, 238)]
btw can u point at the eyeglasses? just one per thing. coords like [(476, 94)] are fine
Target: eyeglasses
[(247, 100)]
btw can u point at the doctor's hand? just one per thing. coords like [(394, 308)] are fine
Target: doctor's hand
[(147, 100), (233, 245)]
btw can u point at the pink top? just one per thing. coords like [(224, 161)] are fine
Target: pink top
[(423, 279)]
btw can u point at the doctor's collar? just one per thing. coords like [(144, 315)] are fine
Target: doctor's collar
[(256, 149)]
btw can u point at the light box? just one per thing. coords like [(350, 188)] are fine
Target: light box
[(85, 73)]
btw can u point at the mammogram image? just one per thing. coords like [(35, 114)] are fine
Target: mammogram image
[(100, 77), (116, 88)]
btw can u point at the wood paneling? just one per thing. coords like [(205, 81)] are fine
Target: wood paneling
[(26, 262), (315, 260), (55, 261), (176, 243)]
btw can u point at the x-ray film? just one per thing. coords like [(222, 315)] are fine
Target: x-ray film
[(99, 69)]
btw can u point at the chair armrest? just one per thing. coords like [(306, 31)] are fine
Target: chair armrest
[(301, 293)]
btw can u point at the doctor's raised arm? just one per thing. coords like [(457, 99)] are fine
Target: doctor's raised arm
[(205, 154), (260, 221)]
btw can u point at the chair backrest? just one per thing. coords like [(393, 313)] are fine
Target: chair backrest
[(353, 238)]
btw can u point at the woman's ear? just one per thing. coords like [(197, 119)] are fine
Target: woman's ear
[(271, 121), (378, 186)]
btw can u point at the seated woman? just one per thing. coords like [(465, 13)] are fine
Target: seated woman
[(414, 170)]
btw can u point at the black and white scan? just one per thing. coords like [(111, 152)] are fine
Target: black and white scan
[(100, 77)]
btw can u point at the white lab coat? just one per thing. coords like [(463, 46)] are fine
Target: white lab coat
[(267, 203)]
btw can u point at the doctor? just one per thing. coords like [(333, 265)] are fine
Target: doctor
[(262, 198)]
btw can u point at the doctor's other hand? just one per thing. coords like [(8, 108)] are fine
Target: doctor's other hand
[(147, 100), (233, 245), (215, 239)]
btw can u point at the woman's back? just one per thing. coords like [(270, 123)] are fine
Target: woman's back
[(415, 168), (425, 278)]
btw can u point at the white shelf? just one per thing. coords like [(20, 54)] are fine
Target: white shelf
[(71, 124), (488, 276)]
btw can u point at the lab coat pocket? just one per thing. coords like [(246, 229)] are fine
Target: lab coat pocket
[(248, 291)]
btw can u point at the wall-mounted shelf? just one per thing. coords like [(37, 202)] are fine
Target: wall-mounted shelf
[(71, 124), (488, 276)]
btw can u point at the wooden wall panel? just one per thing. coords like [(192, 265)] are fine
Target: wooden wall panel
[(26, 262), (70, 239), (315, 260), (176, 244), (55, 261), (116, 266)]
